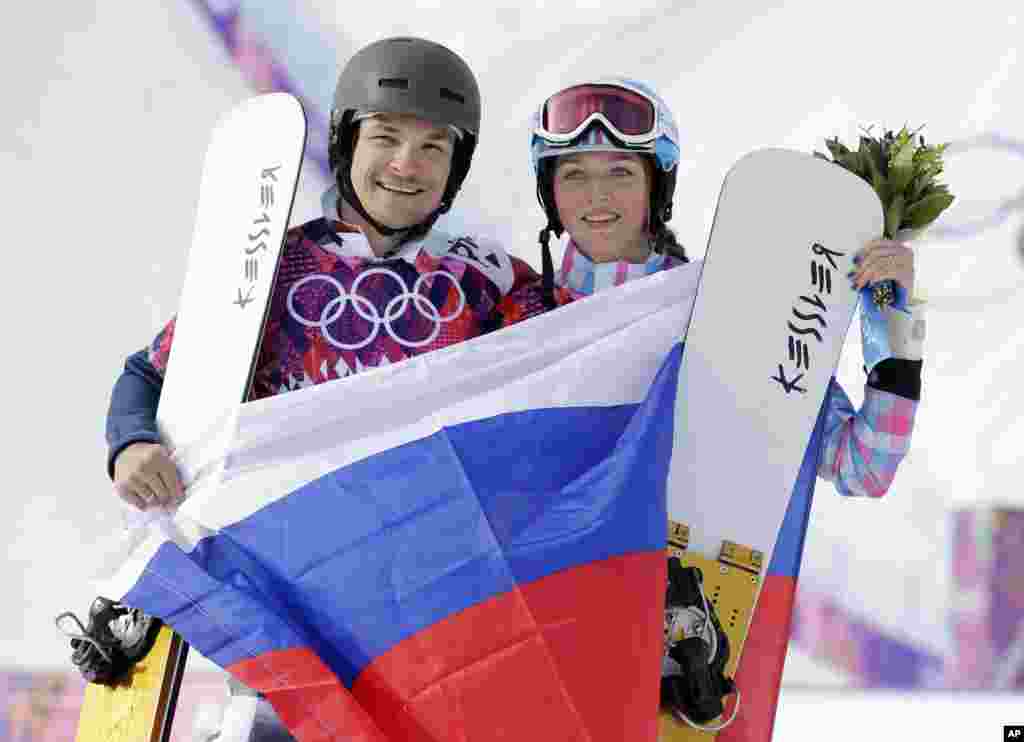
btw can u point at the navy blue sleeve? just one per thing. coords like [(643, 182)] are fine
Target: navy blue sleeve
[(132, 415)]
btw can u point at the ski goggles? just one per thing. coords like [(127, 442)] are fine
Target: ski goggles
[(629, 115)]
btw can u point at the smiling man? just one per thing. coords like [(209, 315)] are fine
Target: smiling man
[(369, 283)]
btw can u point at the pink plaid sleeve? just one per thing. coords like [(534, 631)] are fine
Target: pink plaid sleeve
[(160, 349), (862, 449)]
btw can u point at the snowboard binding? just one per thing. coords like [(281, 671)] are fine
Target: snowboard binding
[(115, 638), (693, 683)]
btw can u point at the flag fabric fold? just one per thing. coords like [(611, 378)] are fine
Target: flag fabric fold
[(468, 545)]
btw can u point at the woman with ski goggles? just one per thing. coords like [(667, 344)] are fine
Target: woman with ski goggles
[(605, 154)]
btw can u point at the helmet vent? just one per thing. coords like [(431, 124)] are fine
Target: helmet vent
[(452, 95), (393, 82)]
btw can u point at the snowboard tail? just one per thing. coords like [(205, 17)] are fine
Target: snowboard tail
[(760, 658), (731, 583), (139, 706)]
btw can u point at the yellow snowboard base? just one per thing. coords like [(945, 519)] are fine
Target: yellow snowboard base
[(730, 584), (139, 707)]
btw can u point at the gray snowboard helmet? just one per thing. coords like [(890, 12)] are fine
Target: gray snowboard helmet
[(405, 75)]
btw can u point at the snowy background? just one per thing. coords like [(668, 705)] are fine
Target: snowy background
[(108, 106)]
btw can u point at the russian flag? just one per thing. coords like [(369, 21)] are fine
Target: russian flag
[(468, 545)]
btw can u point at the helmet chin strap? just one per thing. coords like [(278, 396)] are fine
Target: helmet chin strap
[(348, 192)]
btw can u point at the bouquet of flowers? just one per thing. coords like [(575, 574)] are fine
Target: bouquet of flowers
[(903, 171)]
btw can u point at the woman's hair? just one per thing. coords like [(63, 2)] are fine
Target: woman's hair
[(665, 242), (663, 239)]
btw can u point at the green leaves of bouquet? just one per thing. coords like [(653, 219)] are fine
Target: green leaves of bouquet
[(903, 172)]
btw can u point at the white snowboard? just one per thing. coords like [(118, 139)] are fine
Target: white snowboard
[(740, 434), (245, 199), (248, 185), (772, 311)]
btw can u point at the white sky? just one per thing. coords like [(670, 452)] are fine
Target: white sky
[(108, 106)]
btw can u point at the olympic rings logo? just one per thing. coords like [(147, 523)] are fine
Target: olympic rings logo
[(393, 310)]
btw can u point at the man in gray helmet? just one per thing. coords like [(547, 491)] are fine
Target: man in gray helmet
[(404, 127), (413, 82)]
